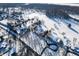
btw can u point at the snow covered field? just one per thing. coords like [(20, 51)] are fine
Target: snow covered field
[(33, 32)]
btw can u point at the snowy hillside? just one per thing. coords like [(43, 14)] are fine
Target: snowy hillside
[(39, 32)]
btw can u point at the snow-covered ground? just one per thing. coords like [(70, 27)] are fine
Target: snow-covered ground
[(58, 29), (74, 16), (38, 23)]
